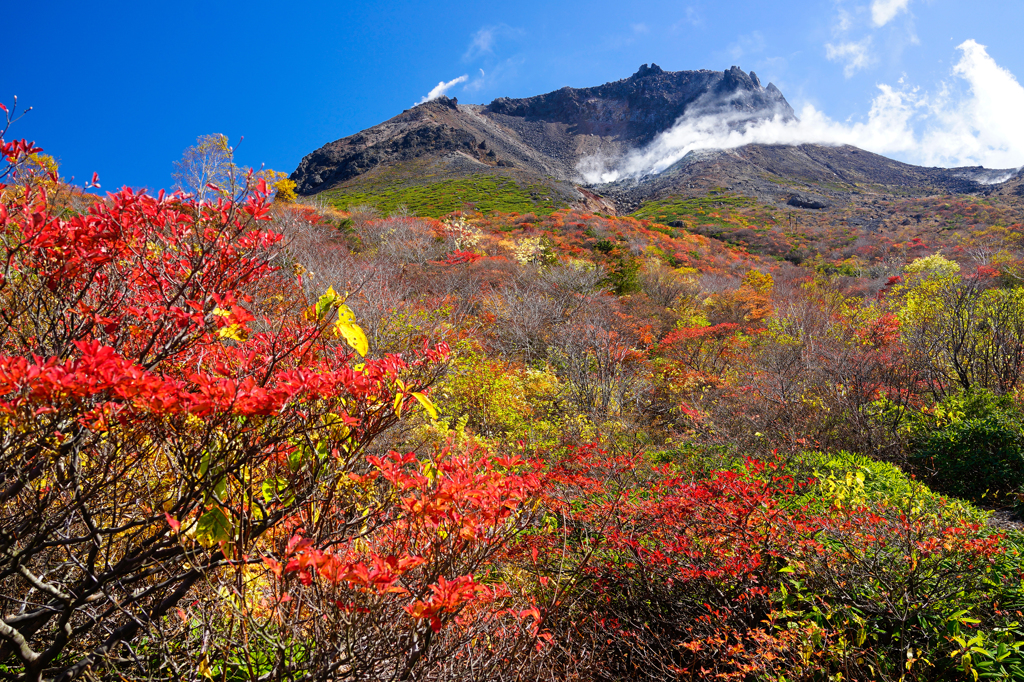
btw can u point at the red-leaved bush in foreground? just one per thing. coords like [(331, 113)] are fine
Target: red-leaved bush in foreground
[(168, 399)]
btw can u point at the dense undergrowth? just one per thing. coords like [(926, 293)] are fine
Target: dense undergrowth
[(251, 440)]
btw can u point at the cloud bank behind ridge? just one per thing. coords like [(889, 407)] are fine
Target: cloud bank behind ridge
[(979, 127)]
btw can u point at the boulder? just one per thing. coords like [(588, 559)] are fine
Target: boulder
[(808, 201)]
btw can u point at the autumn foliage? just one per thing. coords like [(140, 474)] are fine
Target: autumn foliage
[(248, 440)]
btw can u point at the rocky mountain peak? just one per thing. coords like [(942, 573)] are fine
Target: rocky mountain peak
[(644, 71), (635, 109), (736, 79), (443, 102), (544, 136)]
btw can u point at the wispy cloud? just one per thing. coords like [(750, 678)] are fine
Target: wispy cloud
[(854, 55), (751, 43), (691, 17), (854, 29), (481, 43), (477, 83), (494, 74), (884, 11), (442, 88), (844, 21), (484, 42), (978, 127)]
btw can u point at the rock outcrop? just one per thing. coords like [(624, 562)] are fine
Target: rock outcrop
[(635, 109)]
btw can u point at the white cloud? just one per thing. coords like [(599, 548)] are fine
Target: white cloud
[(484, 42), (481, 43), (978, 128), (640, 28), (856, 55), (986, 125), (884, 11), (843, 21), (442, 88)]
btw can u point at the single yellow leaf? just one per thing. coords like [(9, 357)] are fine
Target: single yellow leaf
[(354, 335), (427, 404)]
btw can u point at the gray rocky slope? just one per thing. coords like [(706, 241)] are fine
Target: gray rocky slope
[(543, 138)]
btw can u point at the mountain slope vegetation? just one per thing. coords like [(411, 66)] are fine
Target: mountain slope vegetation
[(453, 419)]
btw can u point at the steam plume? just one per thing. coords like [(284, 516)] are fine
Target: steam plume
[(442, 88), (981, 127)]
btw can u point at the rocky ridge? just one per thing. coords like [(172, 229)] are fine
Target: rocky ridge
[(540, 141), (544, 136)]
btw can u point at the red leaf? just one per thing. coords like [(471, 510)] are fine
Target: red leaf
[(172, 522)]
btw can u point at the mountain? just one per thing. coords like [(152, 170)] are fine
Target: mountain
[(526, 154), (809, 176)]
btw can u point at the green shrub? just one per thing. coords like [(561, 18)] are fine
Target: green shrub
[(900, 589), (698, 459), (977, 449), (625, 278), (848, 479)]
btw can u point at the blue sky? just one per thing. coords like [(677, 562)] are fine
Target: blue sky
[(122, 88)]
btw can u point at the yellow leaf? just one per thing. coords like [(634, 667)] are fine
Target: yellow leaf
[(345, 314), (427, 404), (214, 526), (353, 334), (430, 471), (232, 331)]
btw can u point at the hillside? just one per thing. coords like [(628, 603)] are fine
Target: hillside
[(768, 426), (530, 147), (806, 176), (526, 155)]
